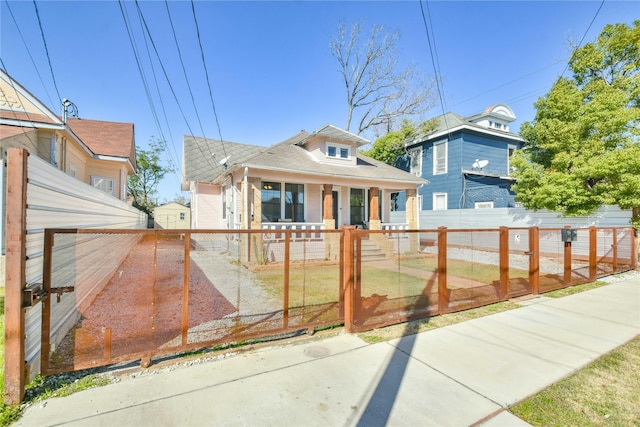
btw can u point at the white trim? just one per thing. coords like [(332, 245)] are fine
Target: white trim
[(339, 148), (444, 143), (418, 170), (483, 205), (94, 183), (446, 201)]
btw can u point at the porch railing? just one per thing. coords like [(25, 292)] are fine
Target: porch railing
[(307, 230)]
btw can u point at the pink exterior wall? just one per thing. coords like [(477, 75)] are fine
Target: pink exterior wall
[(313, 200), (208, 210)]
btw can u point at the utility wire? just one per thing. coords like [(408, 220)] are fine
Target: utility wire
[(145, 83), (204, 63), (184, 70), (435, 68), (26, 46), (47, 51), (146, 27), (15, 115), (172, 160), (581, 40)]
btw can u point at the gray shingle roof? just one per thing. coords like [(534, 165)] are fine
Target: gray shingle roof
[(201, 157), (333, 132)]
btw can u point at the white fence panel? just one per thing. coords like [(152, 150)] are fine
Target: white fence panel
[(57, 200), (607, 216)]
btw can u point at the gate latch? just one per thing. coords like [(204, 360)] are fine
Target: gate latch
[(35, 292), (32, 294)]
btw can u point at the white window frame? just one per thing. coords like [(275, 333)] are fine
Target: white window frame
[(415, 161), (183, 216), (123, 185), (484, 205), (511, 149), (338, 152), (435, 198), (97, 180), (436, 147)]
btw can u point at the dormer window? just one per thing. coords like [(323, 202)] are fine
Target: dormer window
[(338, 151)]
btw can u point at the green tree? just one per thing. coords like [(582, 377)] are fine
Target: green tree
[(143, 186), (390, 147), (582, 149)]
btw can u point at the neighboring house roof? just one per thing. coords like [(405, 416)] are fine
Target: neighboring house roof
[(7, 131), (27, 117), (173, 205), (287, 156), (451, 122), (22, 110), (105, 138)]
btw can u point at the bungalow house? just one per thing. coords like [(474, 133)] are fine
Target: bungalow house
[(98, 153), (172, 216), (311, 180), (466, 160)]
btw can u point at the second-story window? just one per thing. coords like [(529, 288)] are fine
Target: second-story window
[(415, 161), (440, 163), (338, 151)]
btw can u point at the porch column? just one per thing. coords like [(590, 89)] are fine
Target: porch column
[(374, 214), (328, 202), (327, 207), (254, 246), (412, 218), (255, 203)]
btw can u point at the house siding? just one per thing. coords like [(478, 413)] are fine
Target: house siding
[(209, 207), (462, 151)]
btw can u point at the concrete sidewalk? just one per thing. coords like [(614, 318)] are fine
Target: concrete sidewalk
[(461, 375)]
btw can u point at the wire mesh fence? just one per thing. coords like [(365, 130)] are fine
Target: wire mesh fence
[(120, 295)]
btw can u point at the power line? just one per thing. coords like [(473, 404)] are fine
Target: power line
[(146, 27), (47, 51), (15, 115), (143, 77), (184, 70), (507, 83), (582, 39), (435, 68), (26, 46), (204, 63)]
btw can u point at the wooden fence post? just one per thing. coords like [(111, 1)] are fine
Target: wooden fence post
[(634, 248), (443, 292), (567, 261), (593, 253), (504, 262), (348, 280), (15, 276), (534, 260)]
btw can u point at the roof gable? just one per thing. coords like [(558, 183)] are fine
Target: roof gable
[(334, 133), (105, 138)]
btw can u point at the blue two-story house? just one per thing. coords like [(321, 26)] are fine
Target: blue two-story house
[(466, 161)]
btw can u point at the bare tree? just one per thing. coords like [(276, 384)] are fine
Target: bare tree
[(380, 93)]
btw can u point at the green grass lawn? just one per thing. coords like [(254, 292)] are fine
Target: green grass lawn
[(605, 393), (317, 284)]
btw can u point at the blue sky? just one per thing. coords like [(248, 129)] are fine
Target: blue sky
[(270, 68)]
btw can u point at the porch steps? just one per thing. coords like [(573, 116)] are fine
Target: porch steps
[(370, 251)]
